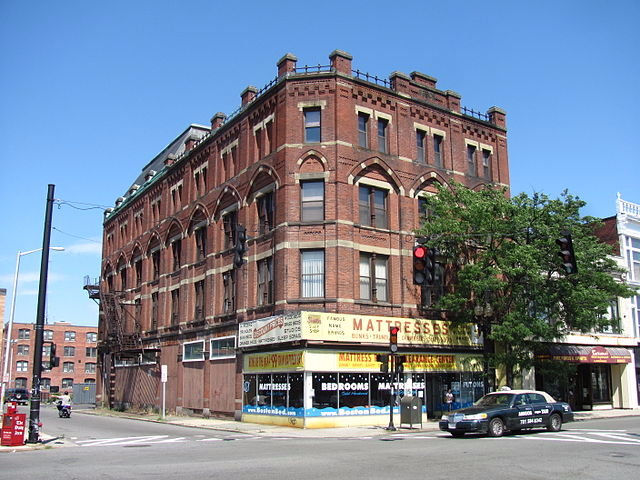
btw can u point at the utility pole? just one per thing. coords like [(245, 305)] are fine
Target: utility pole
[(34, 416)]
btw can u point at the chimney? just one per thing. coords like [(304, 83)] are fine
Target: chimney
[(498, 117), (248, 94), (400, 82), (341, 62), (190, 142), (287, 64), (424, 80), (170, 160), (453, 100), (217, 120)]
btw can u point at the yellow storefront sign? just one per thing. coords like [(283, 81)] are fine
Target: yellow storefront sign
[(276, 361)]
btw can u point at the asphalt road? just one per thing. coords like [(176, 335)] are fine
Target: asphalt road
[(116, 448)]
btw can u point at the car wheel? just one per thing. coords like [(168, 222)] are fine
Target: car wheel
[(555, 423), (496, 427), (457, 434)]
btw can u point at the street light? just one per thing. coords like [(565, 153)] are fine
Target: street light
[(5, 369)]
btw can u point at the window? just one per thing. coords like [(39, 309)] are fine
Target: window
[(22, 366), (45, 383), (633, 259), (176, 195), (230, 223), (382, 135), (46, 350), (89, 368), (223, 347), (67, 383), (486, 164), (137, 267), (471, 160), (193, 351), (47, 335), (21, 382), (92, 337), (67, 367), (363, 127), (123, 276), (312, 125), (613, 315), (200, 179), (154, 310), (373, 277), (155, 263), (69, 336), (91, 352), (201, 243), (373, 206), (69, 351), (420, 137), (265, 213), (437, 150), (312, 200), (176, 253), (312, 278), (258, 135), (265, 281), (23, 349), (269, 131), (24, 334), (198, 313), (229, 285), (175, 306)]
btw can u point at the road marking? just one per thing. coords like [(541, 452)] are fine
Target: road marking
[(110, 442), (620, 439)]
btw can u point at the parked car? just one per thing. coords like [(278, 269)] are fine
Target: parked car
[(512, 410), (18, 395)]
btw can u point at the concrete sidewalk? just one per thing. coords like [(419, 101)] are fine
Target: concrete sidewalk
[(230, 425)]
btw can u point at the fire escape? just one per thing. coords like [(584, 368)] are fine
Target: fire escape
[(115, 340)]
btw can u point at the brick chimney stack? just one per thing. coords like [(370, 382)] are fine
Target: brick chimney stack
[(341, 61), (248, 94), (287, 64)]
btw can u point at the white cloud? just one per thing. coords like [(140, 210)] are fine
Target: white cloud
[(91, 248)]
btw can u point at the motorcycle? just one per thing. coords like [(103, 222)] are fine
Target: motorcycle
[(64, 411)]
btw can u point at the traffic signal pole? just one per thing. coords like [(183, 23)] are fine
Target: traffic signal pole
[(34, 416), (392, 369)]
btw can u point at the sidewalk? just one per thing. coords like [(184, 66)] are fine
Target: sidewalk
[(230, 425)]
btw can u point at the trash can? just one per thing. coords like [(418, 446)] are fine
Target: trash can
[(13, 427), (411, 410)]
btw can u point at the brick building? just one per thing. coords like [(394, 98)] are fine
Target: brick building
[(327, 170), (76, 347)]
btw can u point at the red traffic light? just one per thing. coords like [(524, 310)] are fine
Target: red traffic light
[(420, 251), (393, 339)]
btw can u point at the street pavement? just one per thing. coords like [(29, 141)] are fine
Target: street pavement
[(230, 425)]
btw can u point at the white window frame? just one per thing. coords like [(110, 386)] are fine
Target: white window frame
[(200, 358), (212, 356)]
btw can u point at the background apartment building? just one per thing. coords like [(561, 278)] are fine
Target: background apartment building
[(325, 170), (75, 345)]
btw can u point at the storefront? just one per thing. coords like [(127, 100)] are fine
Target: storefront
[(595, 377), (318, 386)]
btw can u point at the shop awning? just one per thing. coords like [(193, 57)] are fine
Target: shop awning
[(586, 354)]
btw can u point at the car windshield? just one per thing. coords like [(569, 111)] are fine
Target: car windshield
[(495, 399)]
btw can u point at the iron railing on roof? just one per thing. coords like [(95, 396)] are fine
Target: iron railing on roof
[(313, 69), (473, 113), (371, 78)]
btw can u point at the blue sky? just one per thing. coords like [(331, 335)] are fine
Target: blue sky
[(91, 91)]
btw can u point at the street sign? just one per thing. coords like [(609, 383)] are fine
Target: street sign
[(163, 373)]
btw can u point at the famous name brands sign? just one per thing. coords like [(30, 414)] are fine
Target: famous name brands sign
[(352, 329)]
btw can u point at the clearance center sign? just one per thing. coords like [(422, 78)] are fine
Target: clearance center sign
[(350, 328)]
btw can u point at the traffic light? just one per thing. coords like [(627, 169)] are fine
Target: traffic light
[(400, 359), (566, 253), (240, 246), (430, 266), (53, 360), (419, 265), (384, 362), (393, 339)]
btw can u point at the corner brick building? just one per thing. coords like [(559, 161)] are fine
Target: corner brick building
[(327, 168)]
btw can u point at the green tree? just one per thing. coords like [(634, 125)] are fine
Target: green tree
[(503, 272)]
